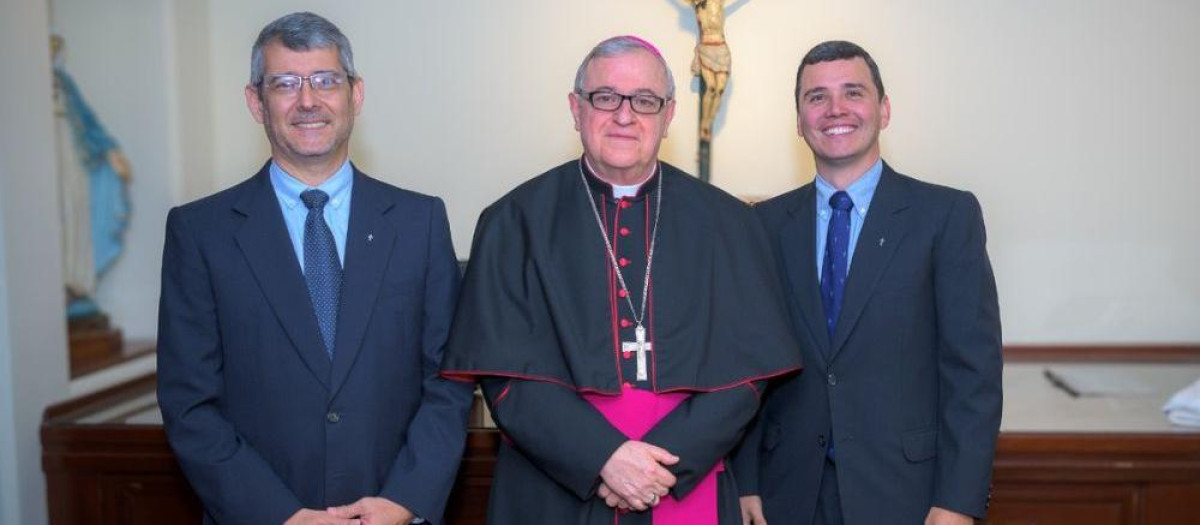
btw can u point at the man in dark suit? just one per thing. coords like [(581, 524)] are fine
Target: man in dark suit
[(303, 317), (893, 301)]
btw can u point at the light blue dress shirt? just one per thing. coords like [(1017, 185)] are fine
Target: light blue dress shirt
[(337, 210), (861, 193)]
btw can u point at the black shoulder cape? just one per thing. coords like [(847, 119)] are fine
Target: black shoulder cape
[(535, 302)]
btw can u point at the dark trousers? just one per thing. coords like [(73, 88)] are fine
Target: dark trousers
[(829, 501)]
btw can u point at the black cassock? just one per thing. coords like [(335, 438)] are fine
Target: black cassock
[(542, 318)]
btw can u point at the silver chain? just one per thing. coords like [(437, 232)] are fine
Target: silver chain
[(638, 315)]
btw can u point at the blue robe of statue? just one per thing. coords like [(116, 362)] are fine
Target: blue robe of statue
[(107, 195)]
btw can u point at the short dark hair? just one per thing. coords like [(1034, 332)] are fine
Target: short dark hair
[(837, 50), (301, 32)]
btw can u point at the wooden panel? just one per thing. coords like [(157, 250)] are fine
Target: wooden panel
[(468, 501), (148, 500), (1083, 458), (1080, 504), (72, 498), (1173, 504)]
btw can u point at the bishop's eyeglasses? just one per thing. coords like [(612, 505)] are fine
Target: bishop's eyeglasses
[(290, 85), (643, 103)]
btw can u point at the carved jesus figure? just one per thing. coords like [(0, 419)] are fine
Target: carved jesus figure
[(712, 60)]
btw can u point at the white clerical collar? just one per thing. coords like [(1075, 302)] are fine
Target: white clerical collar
[(618, 190), (625, 191)]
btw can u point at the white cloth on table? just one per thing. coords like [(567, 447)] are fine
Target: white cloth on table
[(1184, 407)]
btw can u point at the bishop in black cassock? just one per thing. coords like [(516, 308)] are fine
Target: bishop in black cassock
[(548, 324)]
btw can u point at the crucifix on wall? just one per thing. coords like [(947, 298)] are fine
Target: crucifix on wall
[(712, 63)]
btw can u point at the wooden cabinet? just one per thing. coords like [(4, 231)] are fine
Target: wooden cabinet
[(1097, 450), (107, 461), (1091, 479)]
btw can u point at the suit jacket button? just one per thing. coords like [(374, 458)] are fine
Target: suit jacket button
[(832, 379), (821, 441), (333, 417)]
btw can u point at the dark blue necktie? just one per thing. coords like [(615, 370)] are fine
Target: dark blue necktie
[(834, 270), (837, 259), (322, 270)]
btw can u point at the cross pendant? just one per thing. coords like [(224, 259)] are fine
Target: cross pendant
[(641, 347)]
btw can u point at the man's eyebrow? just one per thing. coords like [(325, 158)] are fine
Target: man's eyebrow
[(818, 89), (822, 89), (295, 74), (639, 91)]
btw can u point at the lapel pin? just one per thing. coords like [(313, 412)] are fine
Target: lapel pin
[(370, 237), (881, 241)]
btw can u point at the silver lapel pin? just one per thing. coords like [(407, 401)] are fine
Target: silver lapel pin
[(371, 237), (881, 242)]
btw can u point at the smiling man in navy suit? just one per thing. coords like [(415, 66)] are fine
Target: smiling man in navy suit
[(893, 302), (303, 317)]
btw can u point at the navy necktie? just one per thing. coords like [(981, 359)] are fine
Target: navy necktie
[(322, 270), (837, 259)]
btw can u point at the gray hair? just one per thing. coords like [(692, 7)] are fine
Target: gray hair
[(301, 32), (621, 45)]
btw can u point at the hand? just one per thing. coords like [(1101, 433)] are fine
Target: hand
[(120, 164), (752, 511), (636, 474), (375, 511), (940, 516), (611, 498), (317, 517)]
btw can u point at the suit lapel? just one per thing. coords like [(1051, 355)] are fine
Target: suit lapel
[(264, 241), (369, 241), (881, 234), (798, 244)]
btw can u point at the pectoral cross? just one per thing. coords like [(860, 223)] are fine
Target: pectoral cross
[(641, 347)]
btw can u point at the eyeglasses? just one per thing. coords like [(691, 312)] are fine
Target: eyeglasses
[(643, 103), (291, 84)]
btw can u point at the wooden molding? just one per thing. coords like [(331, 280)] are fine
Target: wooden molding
[(89, 359), (1145, 353), (65, 412)]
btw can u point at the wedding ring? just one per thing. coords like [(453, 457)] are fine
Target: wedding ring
[(653, 500)]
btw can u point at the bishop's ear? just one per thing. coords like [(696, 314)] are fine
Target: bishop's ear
[(573, 101)]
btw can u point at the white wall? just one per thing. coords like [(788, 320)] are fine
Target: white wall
[(1070, 120), (33, 354), (191, 102), (1042, 109)]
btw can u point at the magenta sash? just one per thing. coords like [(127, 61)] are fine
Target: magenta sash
[(634, 413)]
